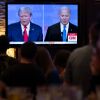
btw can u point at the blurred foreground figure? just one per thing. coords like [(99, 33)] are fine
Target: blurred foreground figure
[(44, 61), (5, 61), (26, 73), (83, 67)]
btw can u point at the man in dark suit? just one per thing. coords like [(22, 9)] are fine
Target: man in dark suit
[(24, 30), (56, 31)]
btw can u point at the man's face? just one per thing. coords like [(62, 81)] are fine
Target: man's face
[(25, 18), (64, 16)]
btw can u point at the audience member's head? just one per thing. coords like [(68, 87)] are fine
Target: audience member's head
[(45, 63), (28, 50), (60, 58), (94, 34), (4, 44), (43, 59)]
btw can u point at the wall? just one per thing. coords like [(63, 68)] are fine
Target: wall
[(2, 17)]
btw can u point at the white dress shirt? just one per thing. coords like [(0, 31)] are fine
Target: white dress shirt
[(27, 29), (62, 28)]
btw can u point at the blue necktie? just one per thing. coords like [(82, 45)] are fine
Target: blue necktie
[(64, 33)]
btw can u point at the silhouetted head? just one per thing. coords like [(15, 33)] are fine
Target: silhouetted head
[(60, 58), (94, 37), (28, 50), (94, 34), (4, 44), (43, 59)]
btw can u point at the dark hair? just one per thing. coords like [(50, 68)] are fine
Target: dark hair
[(94, 32), (4, 44), (43, 59), (28, 50), (61, 58)]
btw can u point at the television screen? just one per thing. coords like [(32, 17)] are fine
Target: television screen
[(47, 23)]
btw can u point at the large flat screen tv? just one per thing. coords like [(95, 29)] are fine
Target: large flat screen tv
[(43, 15)]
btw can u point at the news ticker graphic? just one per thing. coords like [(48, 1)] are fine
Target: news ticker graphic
[(67, 42), (72, 39)]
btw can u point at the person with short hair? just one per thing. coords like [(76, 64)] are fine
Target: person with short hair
[(26, 73), (60, 60), (24, 30), (44, 61), (5, 60), (56, 32)]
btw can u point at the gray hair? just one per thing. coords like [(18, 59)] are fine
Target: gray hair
[(25, 9), (65, 8)]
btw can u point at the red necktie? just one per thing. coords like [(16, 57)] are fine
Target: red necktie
[(25, 34)]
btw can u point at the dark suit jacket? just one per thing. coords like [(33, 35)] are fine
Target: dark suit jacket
[(15, 32), (54, 32)]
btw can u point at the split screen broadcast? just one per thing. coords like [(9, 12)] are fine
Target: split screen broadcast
[(43, 23)]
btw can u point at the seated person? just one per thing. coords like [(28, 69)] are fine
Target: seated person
[(5, 60), (60, 60), (26, 73), (44, 61), (83, 66)]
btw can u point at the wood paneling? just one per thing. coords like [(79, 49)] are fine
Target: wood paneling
[(2, 18)]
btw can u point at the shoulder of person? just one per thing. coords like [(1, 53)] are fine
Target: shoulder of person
[(6, 62), (34, 25), (14, 24), (72, 25), (54, 25), (10, 61), (81, 52), (82, 49)]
